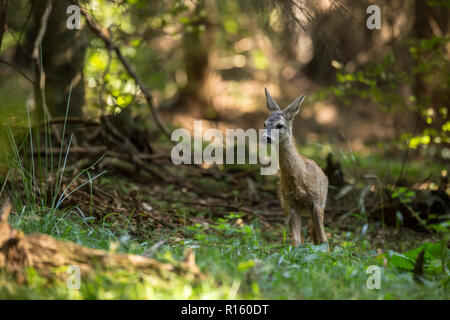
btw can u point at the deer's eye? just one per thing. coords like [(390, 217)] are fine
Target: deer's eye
[(279, 126)]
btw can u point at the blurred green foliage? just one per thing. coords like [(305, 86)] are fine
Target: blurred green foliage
[(383, 84), (13, 119)]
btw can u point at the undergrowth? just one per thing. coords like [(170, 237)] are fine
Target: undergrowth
[(240, 261)]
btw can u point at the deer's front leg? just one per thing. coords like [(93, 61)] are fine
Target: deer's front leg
[(317, 222), (292, 220)]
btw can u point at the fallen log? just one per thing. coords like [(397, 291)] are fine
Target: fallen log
[(49, 256)]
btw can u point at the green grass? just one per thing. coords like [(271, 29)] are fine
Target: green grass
[(239, 262)]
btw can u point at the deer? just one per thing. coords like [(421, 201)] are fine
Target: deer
[(303, 186)]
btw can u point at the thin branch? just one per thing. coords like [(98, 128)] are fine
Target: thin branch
[(28, 18), (23, 74), (87, 122), (105, 36), (43, 28)]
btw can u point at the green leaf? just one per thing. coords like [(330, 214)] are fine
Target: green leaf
[(399, 260)]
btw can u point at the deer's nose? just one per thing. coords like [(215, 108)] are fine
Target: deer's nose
[(266, 137)]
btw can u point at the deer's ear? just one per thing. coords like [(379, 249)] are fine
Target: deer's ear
[(271, 104), (292, 109)]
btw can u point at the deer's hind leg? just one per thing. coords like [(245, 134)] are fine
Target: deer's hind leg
[(312, 232)]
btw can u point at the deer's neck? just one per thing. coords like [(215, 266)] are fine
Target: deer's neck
[(290, 160)]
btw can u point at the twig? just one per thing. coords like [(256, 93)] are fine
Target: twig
[(28, 18), (42, 30), (151, 251), (105, 36), (23, 74), (84, 121)]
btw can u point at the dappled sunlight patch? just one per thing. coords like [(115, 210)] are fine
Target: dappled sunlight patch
[(325, 114)]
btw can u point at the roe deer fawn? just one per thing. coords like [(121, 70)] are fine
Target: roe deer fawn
[(303, 185)]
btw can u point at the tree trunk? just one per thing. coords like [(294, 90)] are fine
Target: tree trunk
[(427, 95), (63, 52), (3, 6), (196, 47)]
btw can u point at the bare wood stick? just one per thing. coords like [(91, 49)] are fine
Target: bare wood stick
[(43, 28), (104, 34), (151, 251)]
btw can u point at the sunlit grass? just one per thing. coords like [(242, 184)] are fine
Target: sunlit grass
[(238, 262)]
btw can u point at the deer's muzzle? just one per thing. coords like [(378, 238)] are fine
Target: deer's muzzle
[(270, 135)]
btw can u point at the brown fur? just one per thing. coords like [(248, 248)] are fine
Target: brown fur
[(303, 192), (303, 184)]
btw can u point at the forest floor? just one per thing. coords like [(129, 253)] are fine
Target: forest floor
[(232, 220), (384, 214)]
